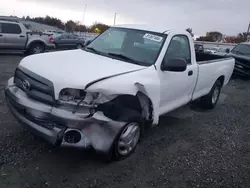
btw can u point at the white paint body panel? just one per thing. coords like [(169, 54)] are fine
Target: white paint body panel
[(167, 90), (74, 68)]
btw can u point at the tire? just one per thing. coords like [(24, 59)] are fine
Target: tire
[(79, 46), (126, 141), (210, 100), (36, 48)]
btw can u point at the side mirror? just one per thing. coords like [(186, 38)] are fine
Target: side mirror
[(174, 65), (227, 50)]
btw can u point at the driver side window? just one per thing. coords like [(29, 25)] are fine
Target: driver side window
[(179, 47)]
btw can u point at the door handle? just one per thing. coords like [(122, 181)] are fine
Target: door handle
[(1, 35), (190, 73), (22, 36)]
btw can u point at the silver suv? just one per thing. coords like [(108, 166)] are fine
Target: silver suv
[(15, 36)]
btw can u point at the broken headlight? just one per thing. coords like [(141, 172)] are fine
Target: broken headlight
[(76, 96)]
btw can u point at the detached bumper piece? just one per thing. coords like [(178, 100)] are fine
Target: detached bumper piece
[(59, 126)]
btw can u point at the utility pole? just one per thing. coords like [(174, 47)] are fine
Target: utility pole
[(248, 32), (115, 18), (84, 14)]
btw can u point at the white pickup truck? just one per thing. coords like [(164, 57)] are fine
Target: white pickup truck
[(107, 94)]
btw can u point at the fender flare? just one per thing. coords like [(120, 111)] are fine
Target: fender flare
[(36, 41)]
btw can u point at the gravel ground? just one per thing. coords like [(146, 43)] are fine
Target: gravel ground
[(189, 148)]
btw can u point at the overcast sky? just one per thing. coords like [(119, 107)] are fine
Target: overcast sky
[(227, 16)]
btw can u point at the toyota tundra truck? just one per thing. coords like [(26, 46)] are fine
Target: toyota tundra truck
[(108, 94)]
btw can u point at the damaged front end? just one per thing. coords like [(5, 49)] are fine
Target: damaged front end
[(78, 118)]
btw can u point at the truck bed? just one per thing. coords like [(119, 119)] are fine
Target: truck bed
[(210, 68), (203, 58)]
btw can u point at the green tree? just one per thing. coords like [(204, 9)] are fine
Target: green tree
[(212, 36), (242, 37), (215, 35), (98, 26), (70, 26)]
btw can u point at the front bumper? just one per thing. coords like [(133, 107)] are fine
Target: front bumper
[(52, 123)]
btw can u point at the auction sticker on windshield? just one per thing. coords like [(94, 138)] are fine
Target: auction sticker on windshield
[(153, 37)]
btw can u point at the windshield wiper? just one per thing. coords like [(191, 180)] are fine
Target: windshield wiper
[(125, 58), (93, 50)]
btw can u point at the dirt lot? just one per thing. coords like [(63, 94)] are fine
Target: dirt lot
[(189, 148)]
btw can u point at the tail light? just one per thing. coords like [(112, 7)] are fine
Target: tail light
[(51, 40)]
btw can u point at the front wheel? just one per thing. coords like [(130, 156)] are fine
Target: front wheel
[(210, 100), (126, 142)]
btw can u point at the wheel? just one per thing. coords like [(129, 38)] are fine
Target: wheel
[(210, 100), (79, 46), (126, 142), (37, 48)]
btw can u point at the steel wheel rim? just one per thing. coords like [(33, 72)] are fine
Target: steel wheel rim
[(37, 50), (79, 46), (128, 139), (215, 94)]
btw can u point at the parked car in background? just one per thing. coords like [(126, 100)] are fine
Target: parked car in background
[(241, 53), (105, 96), (15, 36), (68, 41)]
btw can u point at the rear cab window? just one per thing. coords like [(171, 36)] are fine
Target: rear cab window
[(179, 47)]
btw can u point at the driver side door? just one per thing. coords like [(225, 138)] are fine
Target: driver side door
[(177, 87)]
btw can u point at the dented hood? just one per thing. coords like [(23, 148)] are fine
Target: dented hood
[(75, 68)]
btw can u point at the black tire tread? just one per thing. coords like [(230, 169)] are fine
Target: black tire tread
[(206, 101)]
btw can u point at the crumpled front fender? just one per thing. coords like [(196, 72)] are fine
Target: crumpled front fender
[(145, 81)]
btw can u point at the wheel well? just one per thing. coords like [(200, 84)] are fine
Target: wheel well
[(36, 42), (127, 105), (221, 79)]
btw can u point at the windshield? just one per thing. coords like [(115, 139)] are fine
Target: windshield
[(242, 49), (130, 45)]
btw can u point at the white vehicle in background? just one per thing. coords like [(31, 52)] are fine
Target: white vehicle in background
[(52, 32), (49, 32), (106, 95), (222, 52), (213, 50)]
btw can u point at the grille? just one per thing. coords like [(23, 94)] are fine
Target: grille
[(34, 85)]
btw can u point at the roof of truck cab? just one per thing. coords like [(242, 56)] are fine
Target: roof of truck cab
[(152, 28), (143, 27)]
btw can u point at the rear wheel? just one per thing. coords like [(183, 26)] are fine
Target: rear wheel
[(210, 100), (37, 48)]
